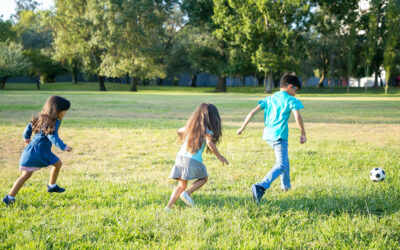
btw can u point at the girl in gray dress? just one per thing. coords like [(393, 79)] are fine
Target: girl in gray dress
[(203, 128)]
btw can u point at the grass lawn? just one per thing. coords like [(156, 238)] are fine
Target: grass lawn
[(124, 145)]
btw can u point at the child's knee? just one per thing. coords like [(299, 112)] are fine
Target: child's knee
[(205, 179), (182, 185), (26, 175), (58, 164)]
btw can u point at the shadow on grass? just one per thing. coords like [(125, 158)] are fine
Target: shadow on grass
[(324, 205)]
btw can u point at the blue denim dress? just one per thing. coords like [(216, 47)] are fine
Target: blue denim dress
[(38, 152)]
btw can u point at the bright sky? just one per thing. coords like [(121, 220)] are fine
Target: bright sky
[(7, 7)]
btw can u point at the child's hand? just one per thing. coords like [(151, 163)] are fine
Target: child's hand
[(303, 139), (68, 148), (27, 141), (223, 160), (239, 131)]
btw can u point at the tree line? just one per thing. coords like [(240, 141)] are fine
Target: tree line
[(153, 39)]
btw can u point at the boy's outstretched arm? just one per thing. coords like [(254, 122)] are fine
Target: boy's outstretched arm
[(299, 121), (214, 149), (248, 118)]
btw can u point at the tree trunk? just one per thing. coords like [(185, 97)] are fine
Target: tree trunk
[(269, 82), (75, 71), (322, 79), (221, 85), (134, 84), (348, 84), (387, 76), (243, 81), (193, 80), (37, 81), (159, 81), (376, 78), (3, 82), (128, 80), (366, 82), (102, 87)]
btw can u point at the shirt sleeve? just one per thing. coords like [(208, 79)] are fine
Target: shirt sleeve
[(296, 104), (263, 103), (55, 139), (27, 132)]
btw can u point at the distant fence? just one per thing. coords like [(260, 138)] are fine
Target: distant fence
[(208, 80)]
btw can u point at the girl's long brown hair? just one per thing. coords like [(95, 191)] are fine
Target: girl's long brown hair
[(46, 120), (205, 117)]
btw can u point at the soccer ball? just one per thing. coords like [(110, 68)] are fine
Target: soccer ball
[(377, 174)]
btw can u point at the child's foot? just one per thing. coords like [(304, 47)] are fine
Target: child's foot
[(167, 209), (186, 199), (55, 189), (258, 193), (8, 201)]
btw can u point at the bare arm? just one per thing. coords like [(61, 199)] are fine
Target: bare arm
[(181, 132), (214, 149), (248, 118), (300, 124)]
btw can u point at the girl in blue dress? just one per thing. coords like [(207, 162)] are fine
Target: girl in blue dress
[(203, 128), (38, 153)]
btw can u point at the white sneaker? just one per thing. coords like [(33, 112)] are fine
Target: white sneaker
[(186, 199), (167, 209)]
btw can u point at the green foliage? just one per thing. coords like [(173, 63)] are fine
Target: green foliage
[(392, 44), (6, 31), (265, 30), (43, 65), (12, 60)]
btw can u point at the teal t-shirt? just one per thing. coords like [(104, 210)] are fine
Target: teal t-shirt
[(277, 109), (196, 156)]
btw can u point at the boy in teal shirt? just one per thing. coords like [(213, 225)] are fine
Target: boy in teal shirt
[(277, 109)]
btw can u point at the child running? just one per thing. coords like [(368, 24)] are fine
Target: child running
[(38, 153), (203, 127), (277, 109)]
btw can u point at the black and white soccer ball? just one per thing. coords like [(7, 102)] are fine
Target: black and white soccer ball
[(377, 174)]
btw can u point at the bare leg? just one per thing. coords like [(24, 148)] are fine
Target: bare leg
[(182, 184), (54, 172), (20, 182), (196, 185)]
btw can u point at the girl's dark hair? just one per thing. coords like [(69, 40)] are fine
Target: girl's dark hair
[(205, 117), (47, 118)]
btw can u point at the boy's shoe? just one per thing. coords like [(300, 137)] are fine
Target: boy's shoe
[(8, 201), (186, 199), (258, 193), (55, 189)]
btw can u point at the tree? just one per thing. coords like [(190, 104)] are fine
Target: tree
[(68, 25), (12, 62), (81, 23), (264, 29), (211, 53), (392, 38), (137, 41), (6, 31), (24, 5), (36, 37)]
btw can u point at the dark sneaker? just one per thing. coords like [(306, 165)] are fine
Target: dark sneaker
[(55, 189), (258, 193), (8, 201)]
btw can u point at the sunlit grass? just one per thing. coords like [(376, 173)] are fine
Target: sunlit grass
[(125, 145)]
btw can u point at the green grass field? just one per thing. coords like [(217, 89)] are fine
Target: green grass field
[(124, 145)]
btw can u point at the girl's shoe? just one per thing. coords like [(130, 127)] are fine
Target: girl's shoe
[(8, 201), (55, 189), (186, 199), (167, 209)]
